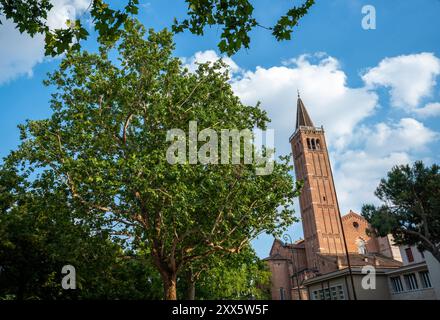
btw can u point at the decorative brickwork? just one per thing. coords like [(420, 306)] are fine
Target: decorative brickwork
[(319, 210), (322, 250)]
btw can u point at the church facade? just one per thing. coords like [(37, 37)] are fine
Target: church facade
[(329, 262)]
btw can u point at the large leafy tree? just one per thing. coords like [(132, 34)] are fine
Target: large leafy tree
[(233, 277), (106, 142), (32, 242), (30, 16), (236, 17), (411, 209), (40, 232)]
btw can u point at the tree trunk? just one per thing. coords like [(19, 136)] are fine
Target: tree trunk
[(20, 292), (170, 286), (21, 287), (168, 274), (191, 282), (191, 292)]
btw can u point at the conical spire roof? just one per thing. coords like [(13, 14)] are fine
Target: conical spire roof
[(302, 116)]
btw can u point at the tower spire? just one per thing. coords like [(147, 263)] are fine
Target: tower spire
[(302, 116)]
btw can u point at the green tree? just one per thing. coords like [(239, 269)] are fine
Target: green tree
[(233, 276), (40, 233), (234, 16), (107, 142), (31, 16), (26, 267), (411, 209)]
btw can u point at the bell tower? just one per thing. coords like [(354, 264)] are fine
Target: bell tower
[(318, 203)]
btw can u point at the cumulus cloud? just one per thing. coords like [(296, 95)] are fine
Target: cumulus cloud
[(378, 148), (324, 90), (406, 135), (357, 174), (208, 56), (430, 110), (21, 52), (409, 77), (361, 151), (64, 10)]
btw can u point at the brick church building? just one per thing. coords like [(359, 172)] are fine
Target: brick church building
[(316, 267)]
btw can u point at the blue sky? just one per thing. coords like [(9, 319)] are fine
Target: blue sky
[(376, 92)]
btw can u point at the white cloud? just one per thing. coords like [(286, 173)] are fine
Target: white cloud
[(406, 135), (359, 169), (208, 56), (361, 153), (64, 10), (430, 110), (20, 52), (357, 175), (328, 98), (410, 78)]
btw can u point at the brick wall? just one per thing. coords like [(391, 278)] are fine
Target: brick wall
[(355, 227)]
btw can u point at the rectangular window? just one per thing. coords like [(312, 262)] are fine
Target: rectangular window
[(326, 294), (411, 281), (426, 281), (396, 284), (409, 254), (334, 293)]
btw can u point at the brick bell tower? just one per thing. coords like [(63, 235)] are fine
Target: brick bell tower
[(318, 203)]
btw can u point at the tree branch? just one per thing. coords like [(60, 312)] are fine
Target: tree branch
[(418, 234), (127, 123)]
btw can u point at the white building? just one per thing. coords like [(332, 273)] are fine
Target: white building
[(417, 279)]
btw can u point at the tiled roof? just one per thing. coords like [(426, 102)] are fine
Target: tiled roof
[(302, 116)]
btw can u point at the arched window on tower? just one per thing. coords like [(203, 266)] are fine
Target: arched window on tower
[(313, 144), (318, 144), (308, 144)]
